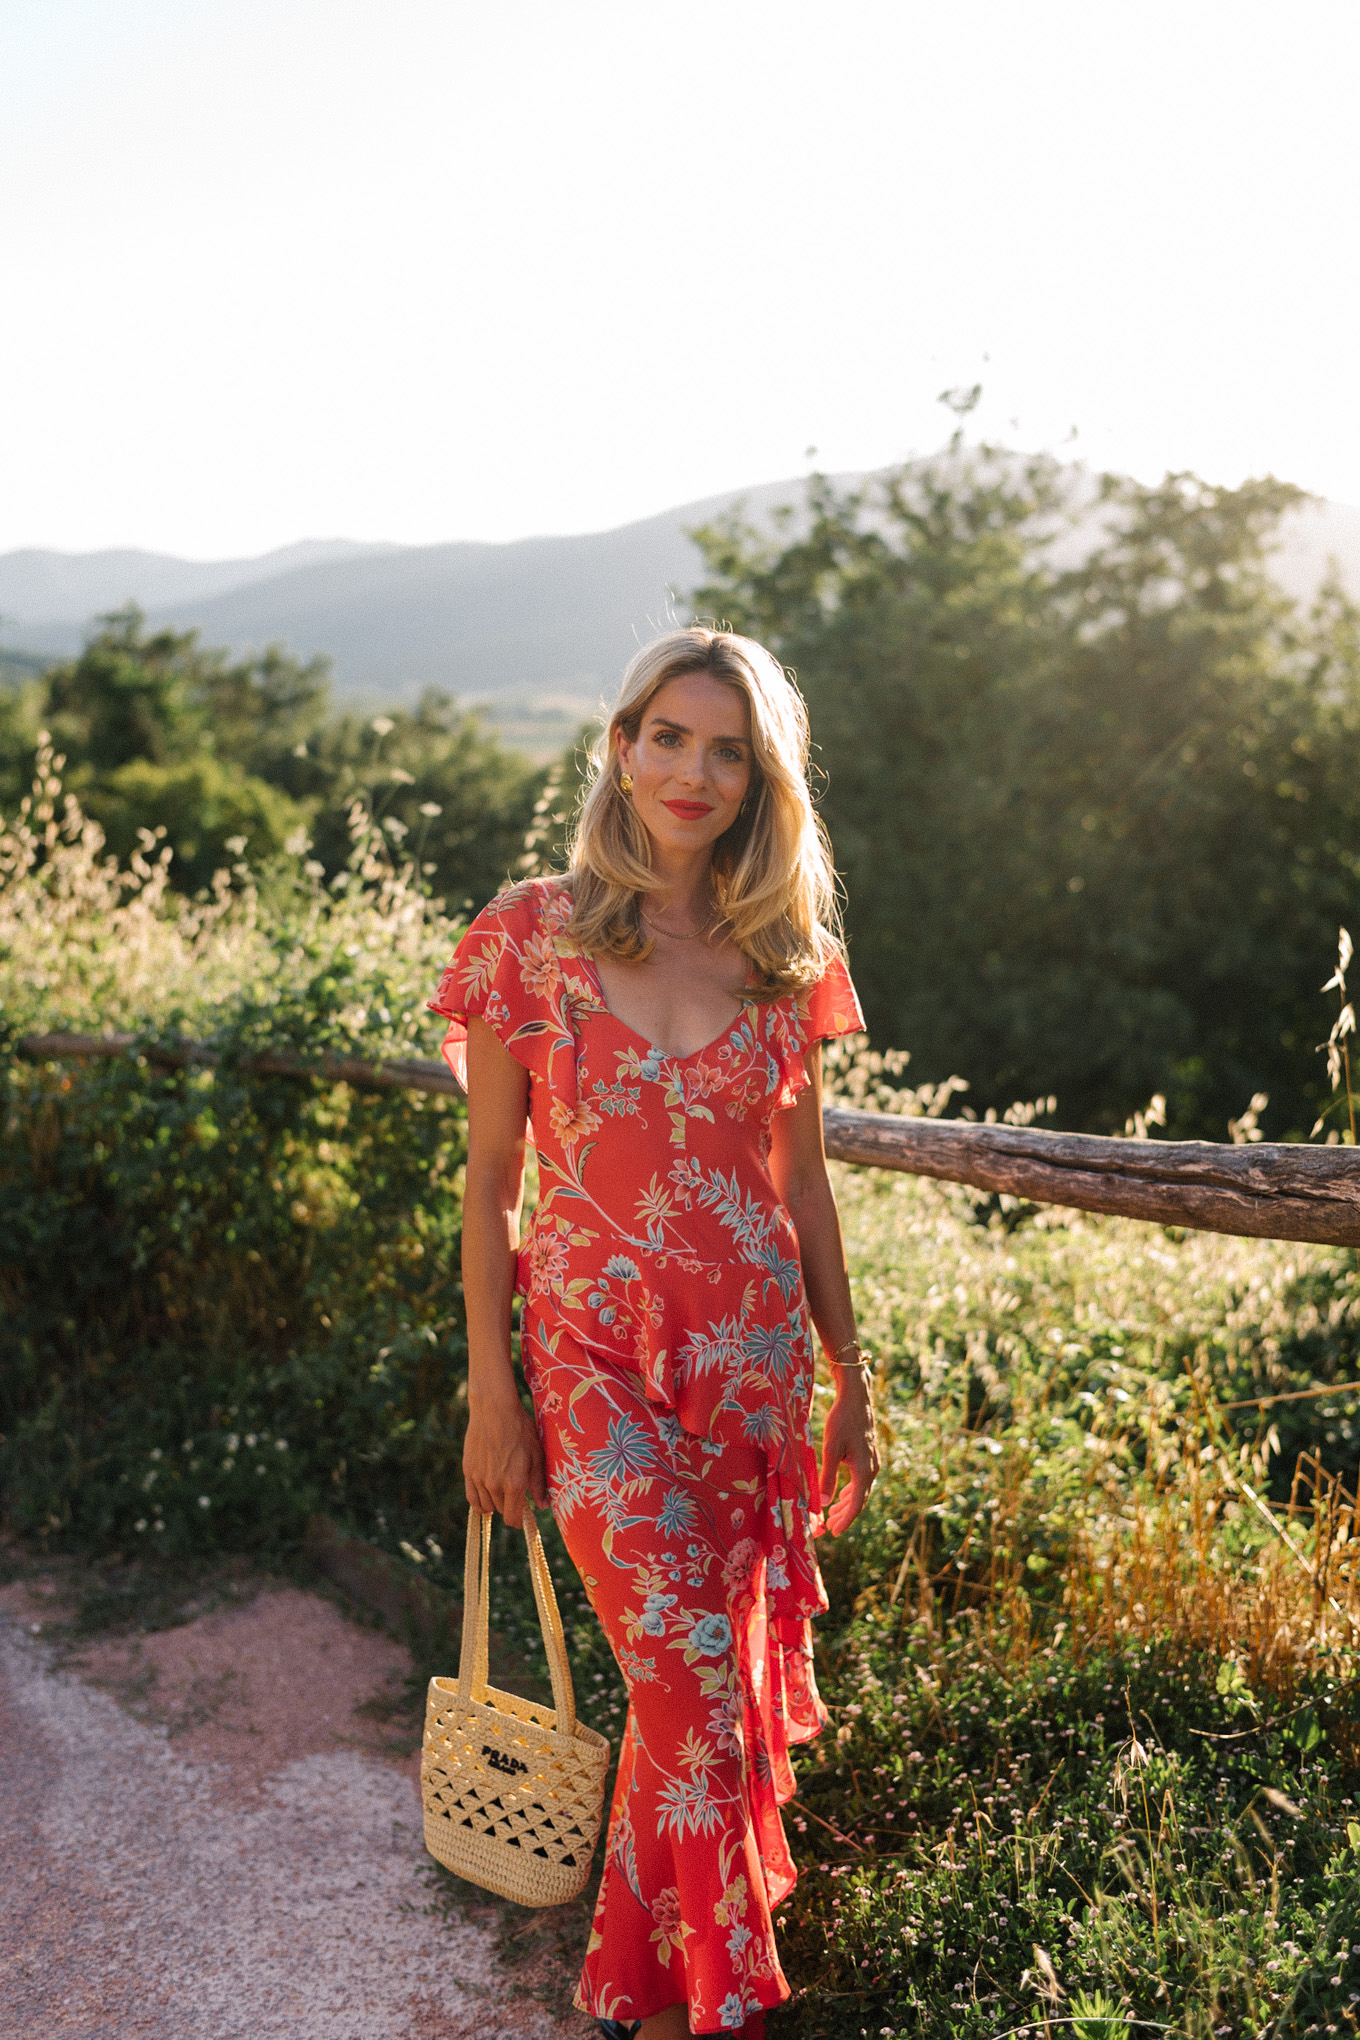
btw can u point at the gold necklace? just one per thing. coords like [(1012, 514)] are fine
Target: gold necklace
[(693, 934)]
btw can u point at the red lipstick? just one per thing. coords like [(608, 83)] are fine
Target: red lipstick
[(689, 810)]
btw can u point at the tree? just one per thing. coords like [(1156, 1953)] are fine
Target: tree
[(1090, 779), (459, 802), (160, 732)]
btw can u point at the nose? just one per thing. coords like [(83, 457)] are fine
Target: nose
[(692, 768)]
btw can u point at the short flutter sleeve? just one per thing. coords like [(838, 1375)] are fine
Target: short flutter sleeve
[(824, 1010), (832, 1006), (506, 971)]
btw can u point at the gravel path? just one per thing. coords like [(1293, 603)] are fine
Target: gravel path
[(149, 1894)]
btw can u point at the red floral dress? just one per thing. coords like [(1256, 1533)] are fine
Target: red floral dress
[(668, 1351)]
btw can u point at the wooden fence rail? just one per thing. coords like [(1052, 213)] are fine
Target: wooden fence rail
[(1257, 1191)]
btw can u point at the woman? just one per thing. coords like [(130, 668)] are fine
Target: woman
[(658, 1014)]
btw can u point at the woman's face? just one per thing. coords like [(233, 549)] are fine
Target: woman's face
[(691, 762)]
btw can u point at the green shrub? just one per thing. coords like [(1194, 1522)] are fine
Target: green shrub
[(1092, 1765), (227, 1299)]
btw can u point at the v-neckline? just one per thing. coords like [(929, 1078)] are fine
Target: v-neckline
[(654, 1048)]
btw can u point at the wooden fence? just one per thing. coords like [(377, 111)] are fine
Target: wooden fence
[(1258, 1191)]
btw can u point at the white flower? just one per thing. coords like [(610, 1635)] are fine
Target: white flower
[(381, 724), (430, 808), (140, 1524), (203, 1502), (236, 844)]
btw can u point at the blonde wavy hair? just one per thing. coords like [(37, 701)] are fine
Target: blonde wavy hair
[(772, 870)]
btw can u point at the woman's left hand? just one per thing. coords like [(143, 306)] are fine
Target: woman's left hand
[(848, 1441)]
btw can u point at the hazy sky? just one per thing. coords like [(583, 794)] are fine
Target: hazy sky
[(417, 270)]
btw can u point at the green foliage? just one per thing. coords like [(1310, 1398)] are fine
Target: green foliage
[(160, 734), (227, 1300), (1059, 1793), (1098, 821), (983, 1848), (445, 790), (201, 807), (1016, 1823)]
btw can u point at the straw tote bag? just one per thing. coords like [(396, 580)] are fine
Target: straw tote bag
[(513, 1793)]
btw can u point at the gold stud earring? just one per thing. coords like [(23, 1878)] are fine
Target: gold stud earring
[(626, 781)]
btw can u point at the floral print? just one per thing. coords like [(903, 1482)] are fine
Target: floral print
[(667, 1347)]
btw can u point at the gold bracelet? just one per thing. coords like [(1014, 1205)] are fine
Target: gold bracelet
[(862, 1364)]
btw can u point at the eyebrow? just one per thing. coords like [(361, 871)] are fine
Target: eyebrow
[(665, 722)]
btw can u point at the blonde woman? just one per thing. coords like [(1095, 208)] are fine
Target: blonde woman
[(657, 1013)]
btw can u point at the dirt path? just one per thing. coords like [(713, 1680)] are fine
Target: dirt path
[(200, 1839)]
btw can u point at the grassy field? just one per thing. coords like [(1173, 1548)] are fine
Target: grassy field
[(1094, 1760)]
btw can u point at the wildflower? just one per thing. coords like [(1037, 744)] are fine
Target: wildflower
[(204, 1502)]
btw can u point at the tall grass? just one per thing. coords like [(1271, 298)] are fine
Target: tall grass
[(1094, 1758), (224, 1301), (1093, 1655)]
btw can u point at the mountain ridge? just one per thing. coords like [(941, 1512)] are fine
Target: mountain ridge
[(538, 627)]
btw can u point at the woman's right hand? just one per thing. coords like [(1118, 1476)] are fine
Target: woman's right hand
[(502, 1457)]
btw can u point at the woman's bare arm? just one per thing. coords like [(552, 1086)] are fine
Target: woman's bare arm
[(798, 1167), (502, 1456)]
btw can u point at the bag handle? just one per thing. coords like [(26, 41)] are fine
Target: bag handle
[(472, 1659)]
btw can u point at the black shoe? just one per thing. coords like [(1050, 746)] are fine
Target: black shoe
[(614, 2029)]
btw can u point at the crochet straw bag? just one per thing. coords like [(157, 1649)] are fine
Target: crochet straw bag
[(513, 1792)]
